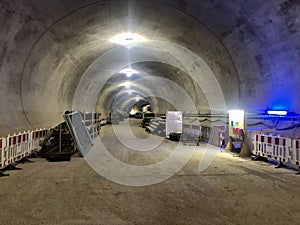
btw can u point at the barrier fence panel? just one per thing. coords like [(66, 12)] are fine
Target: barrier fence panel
[(295, 156), (206, 132), (35, 139), (191, 133), (278, 148), (25, 144), (217, 135), (256, 145), (18, 146), (12, 148), (2, 152), (18, 153), (222, 139)]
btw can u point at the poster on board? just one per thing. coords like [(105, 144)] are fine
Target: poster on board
[(236, 123)]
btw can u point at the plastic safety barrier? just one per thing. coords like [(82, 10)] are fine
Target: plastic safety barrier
[(2, 152), (278, 148), (222, 139), (194, 133), (295, 157), (206, 133), (191, 133), (217, 136), (36, 136), (14, 148), (17, 146), (193, 130)]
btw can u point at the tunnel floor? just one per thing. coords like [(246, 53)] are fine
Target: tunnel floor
[(230, 191)]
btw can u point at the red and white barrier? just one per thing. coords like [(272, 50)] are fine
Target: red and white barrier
[(222, 138), (36, 136), (278, 148), (25, 144), (17, 146), (2, 152), (295, 156), (12, 148)]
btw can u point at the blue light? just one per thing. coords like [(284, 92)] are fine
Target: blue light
[(281, 104), (277, 112)]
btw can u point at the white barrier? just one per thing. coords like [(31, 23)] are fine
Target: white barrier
[(193, 130), (222, 138), (278, 148), (214, 135), (17, 146), (295, 157), (35, 137), (191, 133), (12, 148), (25, 144), (2, 152)]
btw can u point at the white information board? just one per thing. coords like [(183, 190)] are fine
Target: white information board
[(173, 122), (236, 122)]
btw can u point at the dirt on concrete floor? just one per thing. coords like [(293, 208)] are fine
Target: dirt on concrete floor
[(230, 191)]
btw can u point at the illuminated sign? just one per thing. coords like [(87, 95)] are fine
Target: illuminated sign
[(236, 122)]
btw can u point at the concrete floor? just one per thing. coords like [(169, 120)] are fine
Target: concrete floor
[(231, 191)]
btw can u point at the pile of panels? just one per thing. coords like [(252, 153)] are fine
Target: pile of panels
[(58, 144), (157, 126)]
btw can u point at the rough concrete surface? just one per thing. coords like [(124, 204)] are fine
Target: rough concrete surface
[(231, 191)]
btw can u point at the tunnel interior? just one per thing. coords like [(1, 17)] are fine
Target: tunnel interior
[(203, 58), (58, 56)]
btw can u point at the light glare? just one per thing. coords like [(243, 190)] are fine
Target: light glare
[(128, 71), (127, 38)]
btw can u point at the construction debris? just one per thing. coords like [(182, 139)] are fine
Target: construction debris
[(58, 144)]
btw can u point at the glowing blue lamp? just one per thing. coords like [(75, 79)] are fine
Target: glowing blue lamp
[(277, 112)]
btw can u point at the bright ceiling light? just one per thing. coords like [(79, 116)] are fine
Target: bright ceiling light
[(127, 39), (127, 84), (128, 72), (137, 98)]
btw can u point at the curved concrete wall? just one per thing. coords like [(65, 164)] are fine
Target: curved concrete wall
[(47, 48)]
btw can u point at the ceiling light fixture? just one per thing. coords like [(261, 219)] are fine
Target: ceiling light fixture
[(127, 39), (128, 71), (127, 84)]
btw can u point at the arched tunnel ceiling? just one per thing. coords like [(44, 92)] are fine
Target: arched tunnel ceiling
[(120, 88), (250, 47)]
